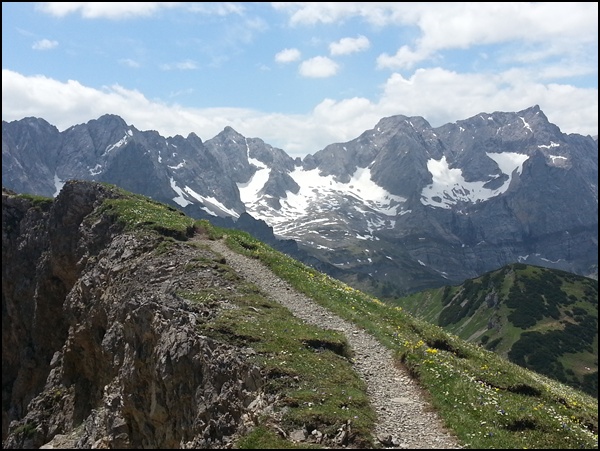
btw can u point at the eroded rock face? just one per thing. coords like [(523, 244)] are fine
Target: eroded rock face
[(98, 349)]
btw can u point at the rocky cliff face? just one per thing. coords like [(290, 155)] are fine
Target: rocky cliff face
[(458, 200), (95, 336)]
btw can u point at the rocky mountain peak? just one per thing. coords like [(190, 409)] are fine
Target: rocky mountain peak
[(108, 121), (399, 123), (229, 133), (193, 138), (37, 124)]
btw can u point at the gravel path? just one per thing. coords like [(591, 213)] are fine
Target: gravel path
[(405, 419)]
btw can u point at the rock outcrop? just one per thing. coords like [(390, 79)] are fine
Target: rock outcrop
[(98, 349)]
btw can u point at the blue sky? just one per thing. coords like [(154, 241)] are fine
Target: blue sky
[(297, 75)]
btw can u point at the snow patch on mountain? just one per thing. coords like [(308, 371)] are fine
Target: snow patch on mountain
[(179, 166), (181, 198), (449, 187), (210, 204), (58, 184), (525, 124), (213, 206), (118, 144), (96, 170), (250, 191), (318, 197), (556, 158), (548, 146)]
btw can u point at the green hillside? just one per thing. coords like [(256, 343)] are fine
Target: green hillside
[(542, 319)]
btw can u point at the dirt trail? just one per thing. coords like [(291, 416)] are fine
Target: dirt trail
[(405, 418)]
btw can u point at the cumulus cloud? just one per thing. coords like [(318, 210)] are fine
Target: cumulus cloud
[(104, 10), (217, 8), (318, 67), (129, 63), (181, 65), (64, 104), (44, 44), (310, 13), (467, 94), (404, 58), (466, 25), (288, 56), (346, 46), (438, 95), (451, 25)]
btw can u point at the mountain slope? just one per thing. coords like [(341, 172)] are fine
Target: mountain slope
[(114, 334), (119, 331), (410, 205), (539, 318), (402, 207)]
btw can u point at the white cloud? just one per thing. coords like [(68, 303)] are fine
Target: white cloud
[(44, 44), (318, 67), (346, 46), (404, 58), (466, 25), (563, 26), (310, 13), (438, 95), (344, 120), (288, 56), (443, 96), (104, 10), (65, 104), (129, 63), (217, 8), (182, 65), (469, 21)]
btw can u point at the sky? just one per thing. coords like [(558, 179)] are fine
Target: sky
[(298, 75)]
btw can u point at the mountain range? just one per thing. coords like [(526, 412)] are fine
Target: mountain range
[(401, 208)]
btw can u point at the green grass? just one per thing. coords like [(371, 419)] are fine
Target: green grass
[(27, 430), (264, 438), (137, 213), (40, 202), (487, 401), (307, 367)]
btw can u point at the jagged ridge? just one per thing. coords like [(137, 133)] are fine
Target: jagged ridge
[(402, 207)]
